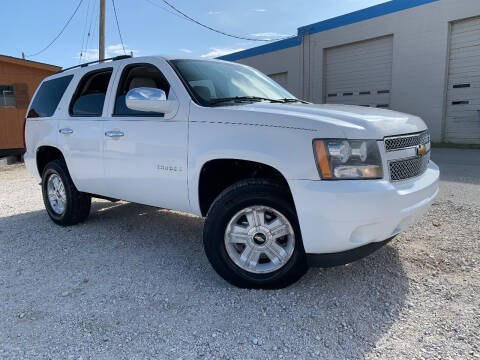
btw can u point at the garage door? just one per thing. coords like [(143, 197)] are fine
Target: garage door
[(463, 99), (360, 73), (280, 78)]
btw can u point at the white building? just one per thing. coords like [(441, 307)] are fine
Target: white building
[(416, 56)]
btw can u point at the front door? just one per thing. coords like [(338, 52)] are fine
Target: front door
[(145, 154)]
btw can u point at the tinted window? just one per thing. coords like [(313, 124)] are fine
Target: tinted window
[(48, 97), (90, 95), (136, 76)]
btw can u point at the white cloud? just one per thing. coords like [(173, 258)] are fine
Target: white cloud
[(187, 51), (259, 10), (116, 49), (88, 55), (110, 51), (216, 52), (214, 12), (269, 35)]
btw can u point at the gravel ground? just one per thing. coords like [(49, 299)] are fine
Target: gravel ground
[(133, 283)]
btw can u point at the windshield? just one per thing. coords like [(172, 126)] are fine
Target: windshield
[(217, 83)]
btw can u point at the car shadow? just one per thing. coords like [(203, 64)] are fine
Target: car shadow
[(133, 269)]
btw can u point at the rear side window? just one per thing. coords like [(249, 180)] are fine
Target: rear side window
[(48, 97), (90, 95)]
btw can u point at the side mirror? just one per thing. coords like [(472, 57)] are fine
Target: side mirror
[(150, 100)]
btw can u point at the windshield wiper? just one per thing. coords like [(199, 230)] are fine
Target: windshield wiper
[(292, 100), (244, 98)]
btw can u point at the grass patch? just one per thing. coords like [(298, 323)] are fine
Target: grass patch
[(455, 146)]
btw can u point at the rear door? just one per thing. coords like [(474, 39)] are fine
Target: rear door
[(80, 131), (41, 128), (145, 154)]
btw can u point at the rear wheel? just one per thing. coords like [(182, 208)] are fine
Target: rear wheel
[(64, 203), (252, 237)]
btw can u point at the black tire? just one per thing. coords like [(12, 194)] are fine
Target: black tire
[(247, 193), (78, 204)]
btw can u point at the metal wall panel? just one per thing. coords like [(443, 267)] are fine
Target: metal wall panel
[(280, 78)]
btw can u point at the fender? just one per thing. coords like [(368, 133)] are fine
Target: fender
[(287, 151)]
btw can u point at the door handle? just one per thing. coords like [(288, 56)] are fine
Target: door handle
[(65, 131), (114, 134)]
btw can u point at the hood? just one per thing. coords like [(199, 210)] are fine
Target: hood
[(354, 122)]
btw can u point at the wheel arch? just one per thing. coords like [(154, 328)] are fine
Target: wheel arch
[(218, 174), (46, 154)]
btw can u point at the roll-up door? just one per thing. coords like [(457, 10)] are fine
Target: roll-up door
[(463, 96), (360, 73)]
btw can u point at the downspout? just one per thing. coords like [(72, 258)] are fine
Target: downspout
[(305, 61)]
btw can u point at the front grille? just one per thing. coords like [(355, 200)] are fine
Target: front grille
[(408, 168), (406, 141)]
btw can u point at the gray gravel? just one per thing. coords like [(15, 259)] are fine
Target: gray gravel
[(133, 283)]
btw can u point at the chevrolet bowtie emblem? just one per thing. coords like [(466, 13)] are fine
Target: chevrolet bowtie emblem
[(421, 150)]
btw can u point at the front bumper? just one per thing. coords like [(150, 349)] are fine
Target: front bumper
[(337, 216), (344, 257)]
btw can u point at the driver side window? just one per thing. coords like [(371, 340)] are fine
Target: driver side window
[(137, 76)]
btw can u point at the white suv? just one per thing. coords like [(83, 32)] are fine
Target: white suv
[(283, 183)]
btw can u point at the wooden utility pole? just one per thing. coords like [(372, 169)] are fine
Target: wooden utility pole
[(101, 28)]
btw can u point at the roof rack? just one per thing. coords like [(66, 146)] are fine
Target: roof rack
[(115, 58)]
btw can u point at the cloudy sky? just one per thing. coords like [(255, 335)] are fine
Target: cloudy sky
[(150, 27)]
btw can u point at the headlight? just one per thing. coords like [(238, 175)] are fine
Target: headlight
[(348, 159)]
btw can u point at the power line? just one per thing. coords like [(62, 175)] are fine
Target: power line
[(215, 30), (59, 34), (93, 22), (186, 17), (166, 10), (84, 31), (90, 16), (118, 26)]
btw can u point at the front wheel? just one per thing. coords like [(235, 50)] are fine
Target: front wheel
[(252, 238)]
